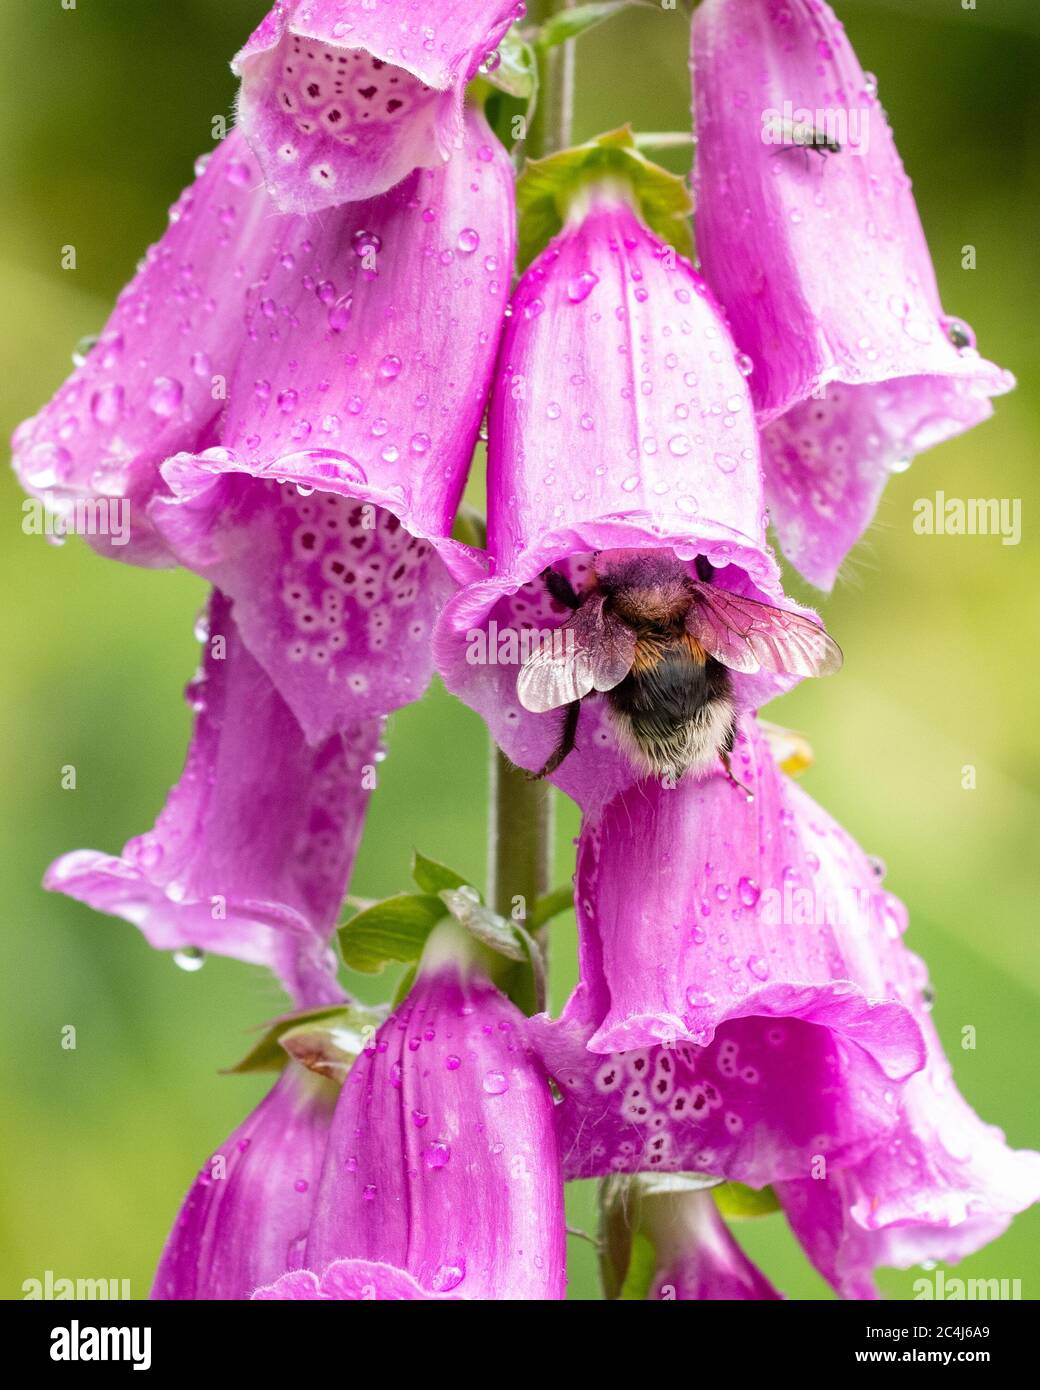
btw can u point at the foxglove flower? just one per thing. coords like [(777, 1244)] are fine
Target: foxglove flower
[(694, 1253), (322, 509), (342, 99), (620, 421), (288, 428), (251, 855), (738, 1010), (940, 1187), (442, 1160), (810, 237), (244, 1223)]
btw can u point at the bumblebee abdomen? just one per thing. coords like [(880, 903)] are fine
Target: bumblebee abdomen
[(674, 710)]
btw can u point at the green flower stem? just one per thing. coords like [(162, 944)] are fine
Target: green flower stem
[(550, 128)]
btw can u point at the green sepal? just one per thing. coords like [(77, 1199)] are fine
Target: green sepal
[(517, 70), (735, 1201), (268, 1055), (394, 929), (482, 923), (432, 877), (570, 24), (547, 186), (674, 1184), (329, 1046)]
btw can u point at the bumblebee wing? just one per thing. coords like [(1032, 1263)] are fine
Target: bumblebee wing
[(593, 650), (749, 636)]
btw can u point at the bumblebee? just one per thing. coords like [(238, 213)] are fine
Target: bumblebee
[(661, 646)]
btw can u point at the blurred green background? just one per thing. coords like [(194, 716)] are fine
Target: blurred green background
[(103, 108)]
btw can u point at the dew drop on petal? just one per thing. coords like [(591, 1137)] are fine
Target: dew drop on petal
[(448, 1277), (581, 286), (340, 312), (165, 396)]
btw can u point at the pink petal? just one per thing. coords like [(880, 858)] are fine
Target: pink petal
[(822, 265), (342, 99), (443, 1159), (244, 1221), (340, 390), (251, 855)]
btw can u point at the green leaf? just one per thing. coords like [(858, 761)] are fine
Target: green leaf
[(736, 1201), (486, 926), (551, 904), (394, 929), (330, 1045), (267, 1054), (568, 24), (433, 877), (517, 71), (546, 188), (642, 1262)]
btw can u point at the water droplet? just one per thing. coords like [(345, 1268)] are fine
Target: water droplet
[(340, 312), (748, 891), (390, 367), (582, 286), (363, 242), (419, 443), (745, 364), (495, 1083), (468, 241), (532, 310), (82, 349), (287, 400), (436, 1155), (679, 445), (758, 967), (190, 959), (453, 1063), (448, 1277), (165, 396), (238, 173), (46, 464), (699, 999), (301, 1185)]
